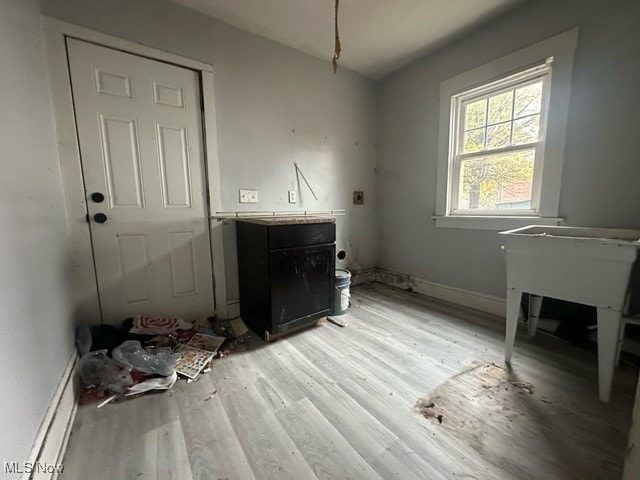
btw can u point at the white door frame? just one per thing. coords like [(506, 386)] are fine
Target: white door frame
[(82, 270)]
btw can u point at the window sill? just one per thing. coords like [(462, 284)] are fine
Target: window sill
[(491, 222)]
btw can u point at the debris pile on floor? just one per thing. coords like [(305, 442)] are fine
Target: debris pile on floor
[(150, 354)]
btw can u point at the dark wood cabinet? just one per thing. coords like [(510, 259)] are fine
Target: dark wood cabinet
[(286, 272)]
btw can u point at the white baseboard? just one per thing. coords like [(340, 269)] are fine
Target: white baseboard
[(51, 440), (358, 277), (466, 298)]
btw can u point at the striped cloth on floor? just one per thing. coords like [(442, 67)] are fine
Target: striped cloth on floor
[(158, 326)]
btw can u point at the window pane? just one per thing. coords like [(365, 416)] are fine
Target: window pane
[(475, 114), (500, 108), (526, 130), (474, 140), (499, 135), (528, 100), (497, 182)]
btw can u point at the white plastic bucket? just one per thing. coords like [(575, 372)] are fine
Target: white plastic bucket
[(342, 295)]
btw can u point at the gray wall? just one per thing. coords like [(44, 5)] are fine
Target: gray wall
[(36, 308), (274, 106), (601, 174)]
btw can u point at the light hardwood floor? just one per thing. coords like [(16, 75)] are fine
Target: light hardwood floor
[(338, 403)]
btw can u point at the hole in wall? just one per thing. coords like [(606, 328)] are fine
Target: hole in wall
[(342, 255)]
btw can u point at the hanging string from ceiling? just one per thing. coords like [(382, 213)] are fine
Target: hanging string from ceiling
[(336, 54)]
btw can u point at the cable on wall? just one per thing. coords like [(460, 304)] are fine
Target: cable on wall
[(337, 49)]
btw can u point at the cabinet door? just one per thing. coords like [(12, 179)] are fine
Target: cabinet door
[(302, 284)]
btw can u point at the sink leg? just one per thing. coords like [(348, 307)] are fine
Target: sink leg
[(535, 304), (513, 311), (608, 330)]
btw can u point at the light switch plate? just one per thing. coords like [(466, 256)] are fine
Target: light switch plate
[(292, 196), (248, 196)]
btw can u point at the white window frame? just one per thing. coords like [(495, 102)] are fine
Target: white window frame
[(549, 161), (511, 82)]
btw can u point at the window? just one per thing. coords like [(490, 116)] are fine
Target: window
[(497, 144), (502, 138)]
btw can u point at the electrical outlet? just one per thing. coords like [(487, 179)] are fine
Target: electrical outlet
[(248, 196), (292, 196)]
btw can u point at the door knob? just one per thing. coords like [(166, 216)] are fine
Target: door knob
[(97, 197), (100, 218)]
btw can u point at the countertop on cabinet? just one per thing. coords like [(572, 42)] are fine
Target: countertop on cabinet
[(293, 220)]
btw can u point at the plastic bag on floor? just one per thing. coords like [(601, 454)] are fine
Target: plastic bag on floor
[(83, 340), (120, 382), (131, 355), (159, 383), (97, 369)]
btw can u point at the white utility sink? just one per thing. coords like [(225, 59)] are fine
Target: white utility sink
[(591, 266)]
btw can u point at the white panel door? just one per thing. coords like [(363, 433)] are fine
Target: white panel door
[(140, 137)]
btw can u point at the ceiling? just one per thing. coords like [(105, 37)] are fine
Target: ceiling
[(377, 36)]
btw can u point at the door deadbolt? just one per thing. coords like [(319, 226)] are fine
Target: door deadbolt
[(100, 218), (97, 197)]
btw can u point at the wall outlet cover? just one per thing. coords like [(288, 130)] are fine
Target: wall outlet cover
[(248, 196), (292, 196), (358, 198)]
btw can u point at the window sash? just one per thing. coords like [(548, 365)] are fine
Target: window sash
[(458, 102), (523, 77), (538, 148)]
